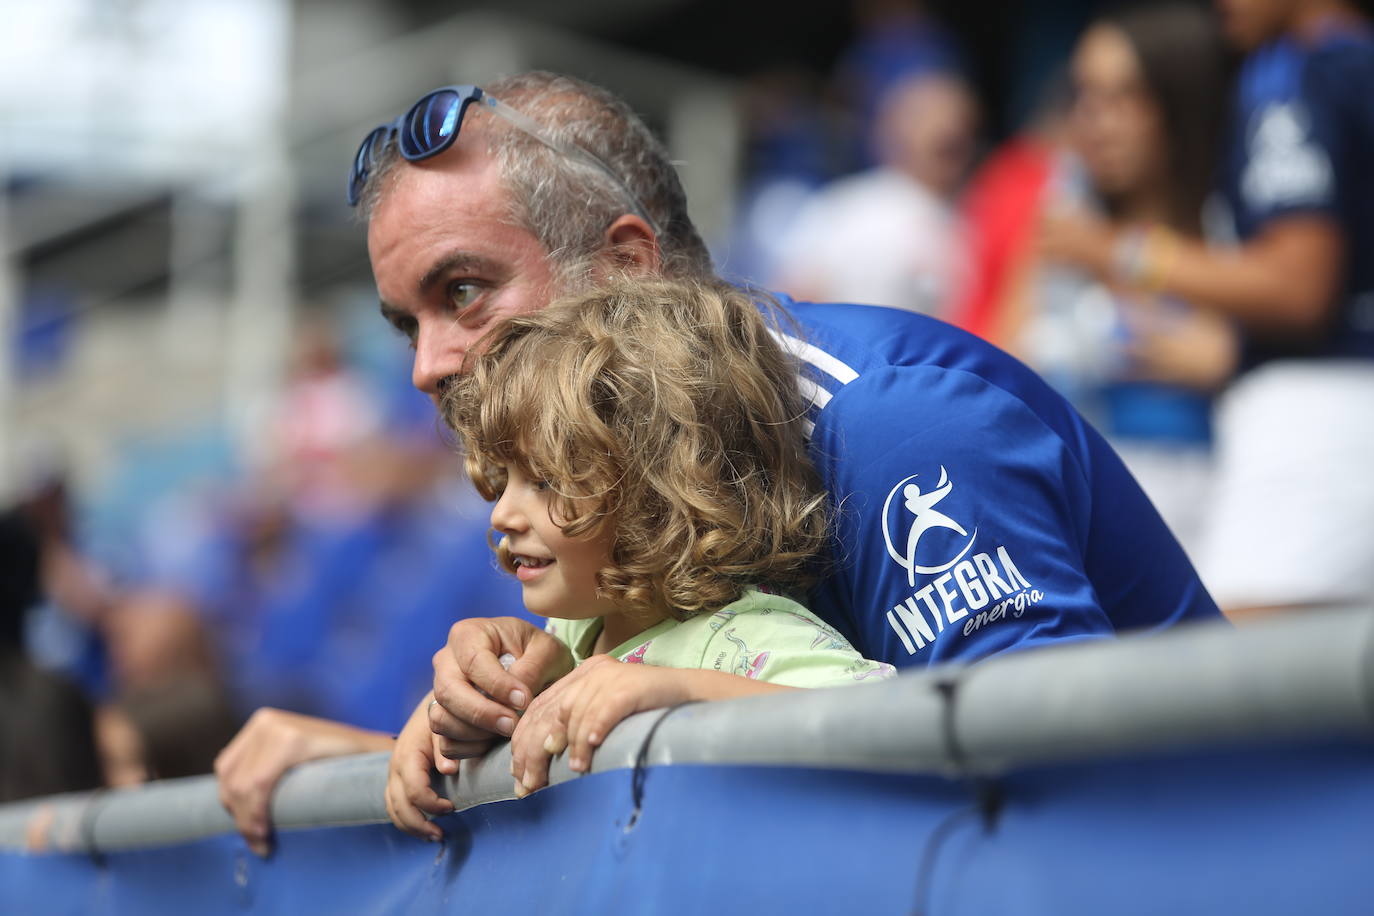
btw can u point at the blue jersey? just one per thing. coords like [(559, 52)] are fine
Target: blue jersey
[(975, 510), (1303, 144)]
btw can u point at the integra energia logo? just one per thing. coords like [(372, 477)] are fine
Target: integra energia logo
[(912, 518)]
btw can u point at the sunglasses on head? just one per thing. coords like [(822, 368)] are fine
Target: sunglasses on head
[(431, 125)]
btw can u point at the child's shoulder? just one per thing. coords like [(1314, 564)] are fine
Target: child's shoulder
[(759, 607), (772, 638), (753, 625), (759, 599)]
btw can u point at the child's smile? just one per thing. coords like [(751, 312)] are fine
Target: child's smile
[(528, 568), (558, 573)]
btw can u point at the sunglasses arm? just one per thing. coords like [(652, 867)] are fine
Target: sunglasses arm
[(532, 127)]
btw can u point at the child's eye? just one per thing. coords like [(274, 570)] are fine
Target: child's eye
[(542, 485)]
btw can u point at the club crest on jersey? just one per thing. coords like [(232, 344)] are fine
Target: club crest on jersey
[(914, 516), (1286, 166)]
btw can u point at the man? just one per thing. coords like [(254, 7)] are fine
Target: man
[(542, 183), (1291, 524)]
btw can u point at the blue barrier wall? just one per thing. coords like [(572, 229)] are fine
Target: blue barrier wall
[(1256, 830)]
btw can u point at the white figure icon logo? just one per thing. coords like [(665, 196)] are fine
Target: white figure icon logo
[(924, 517)]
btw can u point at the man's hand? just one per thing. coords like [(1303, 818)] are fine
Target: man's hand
[(272, 742), (477, 698), (409, 796)]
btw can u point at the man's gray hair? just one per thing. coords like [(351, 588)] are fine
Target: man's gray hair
[(566, 204)]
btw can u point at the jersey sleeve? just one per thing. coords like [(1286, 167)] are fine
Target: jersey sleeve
[(1292, 151), (962, 520), (778, 643)]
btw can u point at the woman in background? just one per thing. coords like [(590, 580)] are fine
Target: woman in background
[(1148, 91)]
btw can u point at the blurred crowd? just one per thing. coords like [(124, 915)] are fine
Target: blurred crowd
[(318, 580), (321, 580), (1128, 128)]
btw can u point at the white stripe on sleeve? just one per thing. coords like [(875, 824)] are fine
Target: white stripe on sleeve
[(816, 357)]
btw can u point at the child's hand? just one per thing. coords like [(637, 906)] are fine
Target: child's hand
[(409, 795), (577, 713)]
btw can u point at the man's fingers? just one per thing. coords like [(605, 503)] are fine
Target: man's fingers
[(245, 791), (250, 812), (544, 659), (462, 713), (484, 670), (475, 645)]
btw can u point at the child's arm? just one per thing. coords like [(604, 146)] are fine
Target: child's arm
[(579, 711)]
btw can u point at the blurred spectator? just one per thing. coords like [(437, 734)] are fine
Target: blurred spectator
[(1148, 88), (321, 586), (320, 583), (1001, 209), (325, 411), (19, 573), (167, 732), (1292, 523), (47, 742), (888, 236), (161, 696), (790, 151), (895, 40)]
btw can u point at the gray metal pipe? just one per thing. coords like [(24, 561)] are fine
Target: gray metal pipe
[(1305, 676)]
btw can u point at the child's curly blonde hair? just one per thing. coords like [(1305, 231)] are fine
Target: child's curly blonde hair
[(667, 410)]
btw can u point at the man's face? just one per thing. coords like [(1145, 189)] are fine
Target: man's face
[(448, 263), (929, 126)]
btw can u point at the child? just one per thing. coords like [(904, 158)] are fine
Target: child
[(645, 447)]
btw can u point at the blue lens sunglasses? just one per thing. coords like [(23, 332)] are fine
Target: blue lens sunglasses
[(431, 125)]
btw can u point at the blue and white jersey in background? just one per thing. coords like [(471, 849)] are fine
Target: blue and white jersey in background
[(1302, 144), (975, 510)]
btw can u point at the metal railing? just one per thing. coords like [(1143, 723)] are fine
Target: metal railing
[(1309, 676)]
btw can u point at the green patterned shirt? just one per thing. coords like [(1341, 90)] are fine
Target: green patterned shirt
[(766, 637)]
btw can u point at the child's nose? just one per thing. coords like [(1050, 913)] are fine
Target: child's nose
[(505, 517)]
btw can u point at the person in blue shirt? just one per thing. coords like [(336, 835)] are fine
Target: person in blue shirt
[(1292, 521), (976, 511)]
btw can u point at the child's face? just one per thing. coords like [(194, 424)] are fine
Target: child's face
[(558, 572)]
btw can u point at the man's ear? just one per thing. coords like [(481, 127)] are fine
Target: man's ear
[(631, 247)]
